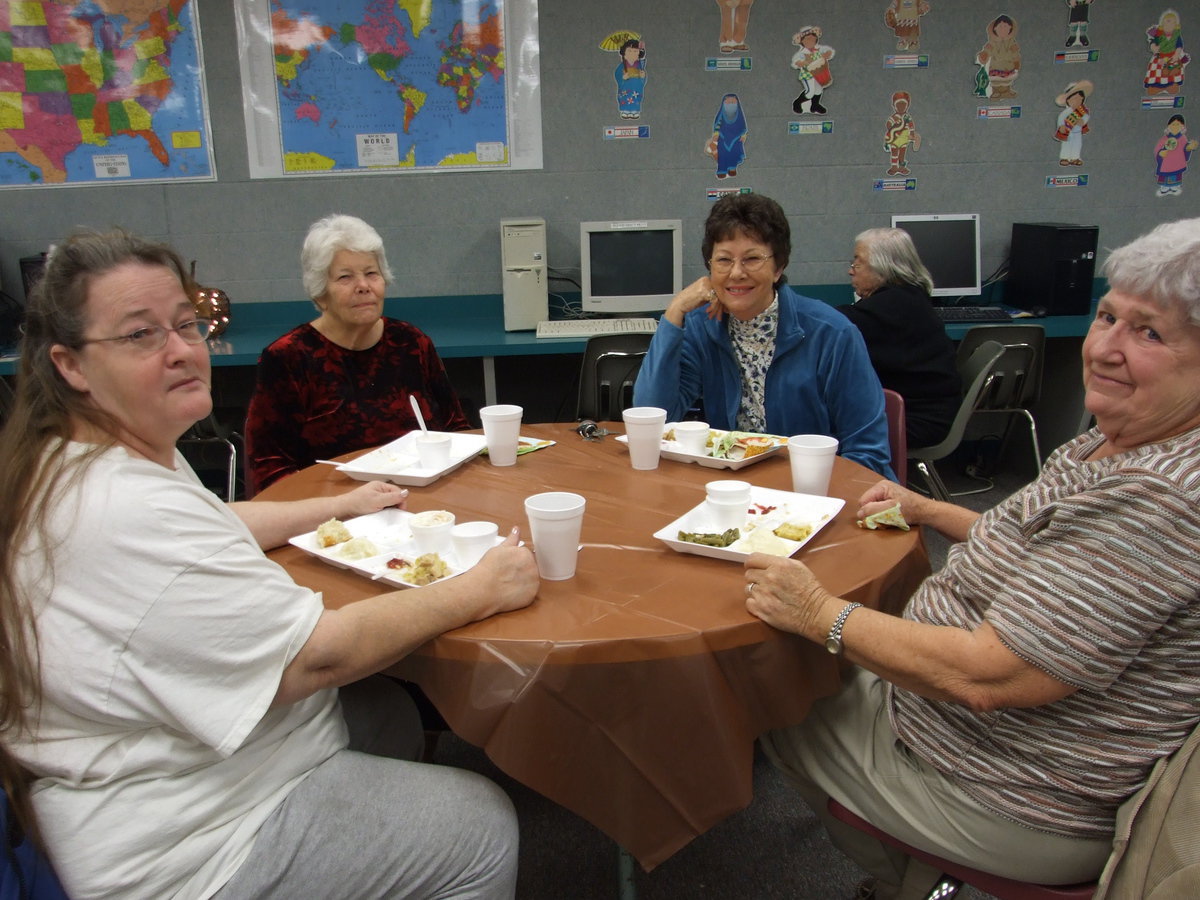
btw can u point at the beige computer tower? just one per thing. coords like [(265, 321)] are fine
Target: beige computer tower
[(523, 267)]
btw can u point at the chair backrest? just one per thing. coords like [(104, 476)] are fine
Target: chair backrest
[(1155, 851), (976, 373), (893, 404), (209, 435), (607, 373), (1018, 374)]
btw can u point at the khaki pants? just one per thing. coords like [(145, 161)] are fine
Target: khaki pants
[(846, 749)]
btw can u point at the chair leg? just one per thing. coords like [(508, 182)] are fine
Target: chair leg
[(1033, 436), (937, 487), (231, 482)]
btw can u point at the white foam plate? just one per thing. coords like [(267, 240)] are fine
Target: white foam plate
[(388, 530), (674, 451), (398, 463), (770, 510)]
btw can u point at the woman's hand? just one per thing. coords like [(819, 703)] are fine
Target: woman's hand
[(786, 595), (698, 293), (885, 494), (507, 575), (372, 497), (951, 520)]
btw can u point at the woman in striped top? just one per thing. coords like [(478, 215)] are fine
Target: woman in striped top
[(1033, 682)]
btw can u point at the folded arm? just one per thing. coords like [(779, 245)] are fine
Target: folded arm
[(273, 522), (973, 668), (368, 636)]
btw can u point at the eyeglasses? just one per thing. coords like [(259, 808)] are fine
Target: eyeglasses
[(724, 264), (150, 338), (855, 266)]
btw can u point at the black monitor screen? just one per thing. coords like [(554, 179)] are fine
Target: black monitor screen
[(632, 263), (949, 247)]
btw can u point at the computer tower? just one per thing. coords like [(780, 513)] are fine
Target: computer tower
[(1051, 266), (524, 273)]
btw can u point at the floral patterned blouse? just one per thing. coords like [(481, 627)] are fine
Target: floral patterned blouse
[(754, 347)]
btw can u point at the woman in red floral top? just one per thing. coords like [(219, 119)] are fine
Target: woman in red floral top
[(342, 382)]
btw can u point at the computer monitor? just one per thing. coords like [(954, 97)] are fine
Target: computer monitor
[(633, 266), (948, 244)]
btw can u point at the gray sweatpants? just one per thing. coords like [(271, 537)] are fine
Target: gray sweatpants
[(366, 825)]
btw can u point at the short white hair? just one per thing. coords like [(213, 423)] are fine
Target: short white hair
[(1162, 265), (329, 235)]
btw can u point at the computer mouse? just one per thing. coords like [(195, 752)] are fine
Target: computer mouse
[(1038, 312)]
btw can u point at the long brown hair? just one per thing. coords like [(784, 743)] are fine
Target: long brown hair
[(45, 413)]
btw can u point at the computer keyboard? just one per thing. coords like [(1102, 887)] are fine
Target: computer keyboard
[(972, 314), (586, 328)]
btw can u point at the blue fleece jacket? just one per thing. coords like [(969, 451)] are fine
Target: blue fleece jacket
[(819, 382)]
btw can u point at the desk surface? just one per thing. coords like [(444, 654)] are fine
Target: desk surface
[(465, 326), (633, 693)]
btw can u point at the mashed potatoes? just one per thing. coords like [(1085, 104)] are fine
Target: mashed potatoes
[(357, 548), (762, 540)]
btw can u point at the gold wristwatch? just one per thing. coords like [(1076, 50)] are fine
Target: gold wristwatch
[(833, 643)]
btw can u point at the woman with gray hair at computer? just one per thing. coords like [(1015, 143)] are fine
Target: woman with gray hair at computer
[(907, 342), (343, 381)]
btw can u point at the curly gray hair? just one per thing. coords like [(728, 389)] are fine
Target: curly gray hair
[(329, 235)]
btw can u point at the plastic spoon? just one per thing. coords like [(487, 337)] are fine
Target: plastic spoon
[(417, 412)]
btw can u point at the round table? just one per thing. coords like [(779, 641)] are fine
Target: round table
[(631, 694)]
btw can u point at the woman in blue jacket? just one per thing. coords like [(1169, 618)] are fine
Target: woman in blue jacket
[(757, 354)]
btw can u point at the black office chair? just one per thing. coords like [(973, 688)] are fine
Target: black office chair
[(207, 441), (1017, 381), (977, 373), (606, 376)]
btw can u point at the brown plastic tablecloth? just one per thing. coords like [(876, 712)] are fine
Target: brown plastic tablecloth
[(631, 694)]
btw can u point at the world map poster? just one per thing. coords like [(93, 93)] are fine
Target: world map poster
[(358, 86), (101, 92)]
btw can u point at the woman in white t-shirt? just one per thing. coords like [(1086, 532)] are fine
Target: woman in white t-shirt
[(170, 691)]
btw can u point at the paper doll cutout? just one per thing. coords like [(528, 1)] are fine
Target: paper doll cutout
[(728, 142), (1171, 155), (735, 19), (1077, 22), (1167, 59), (1072, 122), (812, 64), (904, 18), (630, 73), (900, 134), (999, 60)]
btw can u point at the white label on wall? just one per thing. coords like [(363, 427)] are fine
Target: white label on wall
[(380, 149), (111, 165), (489, 151)]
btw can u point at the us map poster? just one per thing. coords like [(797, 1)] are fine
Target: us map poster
[(102, 93)]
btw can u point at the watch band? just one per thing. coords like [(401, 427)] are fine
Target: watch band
[(833, 643)]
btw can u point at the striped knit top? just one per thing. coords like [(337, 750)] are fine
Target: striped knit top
[(1091, 573)]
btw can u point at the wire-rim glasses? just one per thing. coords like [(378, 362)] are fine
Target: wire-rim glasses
[(723, 265), (149, 338)]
